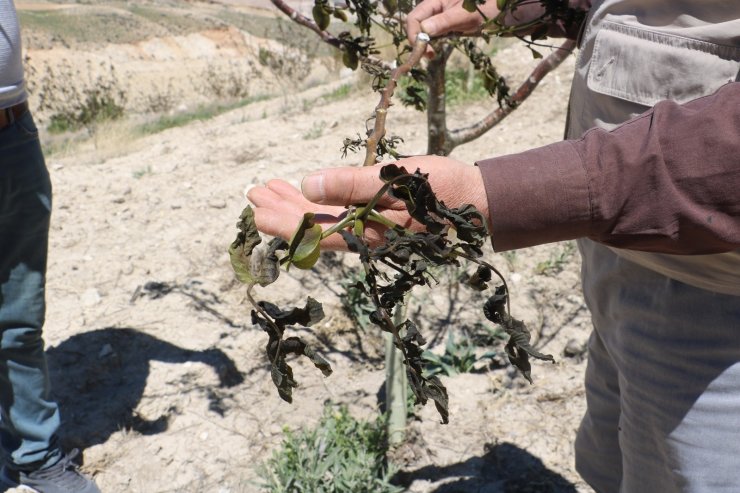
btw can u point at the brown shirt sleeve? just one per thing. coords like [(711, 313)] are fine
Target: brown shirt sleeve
[(667, 181)]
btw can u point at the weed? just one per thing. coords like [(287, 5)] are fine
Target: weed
[(557, 260), (141, 172), (316, 131), (460, 356), (202, 112), (77, 100), (356, 303), (225, 81), (338, 94), (161, 99), (341, 455)]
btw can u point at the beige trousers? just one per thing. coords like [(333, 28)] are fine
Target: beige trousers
[(663, 378)]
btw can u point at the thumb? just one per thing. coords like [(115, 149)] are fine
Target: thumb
[(342, 186)]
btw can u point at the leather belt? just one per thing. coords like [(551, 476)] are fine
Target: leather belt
[(9, 115)]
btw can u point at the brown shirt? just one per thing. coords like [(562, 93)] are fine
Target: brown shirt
[(667, 181)]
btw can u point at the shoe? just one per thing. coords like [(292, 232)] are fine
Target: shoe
[(62, 477)]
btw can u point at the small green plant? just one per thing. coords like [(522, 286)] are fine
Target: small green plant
[(341, 455), (75, 100), (316, 130), (226, 81), (338, 94), (557, 260), (141, 172), (460, 356), (355, 301), (202, 112)]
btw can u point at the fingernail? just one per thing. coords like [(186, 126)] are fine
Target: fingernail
[(312, 187), (247, 189), (429, 26)]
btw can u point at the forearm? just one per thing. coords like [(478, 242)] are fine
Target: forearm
[(666, 181), (564, 26)]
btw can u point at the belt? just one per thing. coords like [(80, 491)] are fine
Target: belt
[(9, 115)]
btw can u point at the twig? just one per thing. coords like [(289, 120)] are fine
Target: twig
[(381, 110), (466, 134), (326, 36)]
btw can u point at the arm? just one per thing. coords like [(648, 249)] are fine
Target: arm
[(667, 181), (440, 17)]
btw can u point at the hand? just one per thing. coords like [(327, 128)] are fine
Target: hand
[(440, 17), (279, 207)]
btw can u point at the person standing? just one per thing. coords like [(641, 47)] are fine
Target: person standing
[(29, 419), (648, 182)]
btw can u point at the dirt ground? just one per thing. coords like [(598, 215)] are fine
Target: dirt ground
[(161, 376)]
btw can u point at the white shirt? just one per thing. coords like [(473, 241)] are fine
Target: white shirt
[(12, 87)]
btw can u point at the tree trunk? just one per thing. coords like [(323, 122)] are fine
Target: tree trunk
[(438, 136)]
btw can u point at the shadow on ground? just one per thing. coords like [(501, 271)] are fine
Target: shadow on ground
[(504, 468), (98, 379)]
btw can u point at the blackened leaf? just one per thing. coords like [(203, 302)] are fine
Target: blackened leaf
[(296, 345), (438, 393), (355, 244), (518, 348), (480, 278), (240, 251), (282, 377), (312, 313)]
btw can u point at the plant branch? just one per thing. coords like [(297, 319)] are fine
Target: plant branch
[(381, 110), (325, 36), (466, 134)]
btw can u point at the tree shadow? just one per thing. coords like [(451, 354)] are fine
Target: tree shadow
[(504, 468), (99, 377)]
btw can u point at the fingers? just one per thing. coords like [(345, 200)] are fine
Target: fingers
[(414, 19), (279, 207), (345, 186)]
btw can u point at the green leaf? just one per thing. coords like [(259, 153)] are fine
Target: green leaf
[(350, 59), (305, 246), (321, 16), (535, 54), (470, 5), (501, 5), (341, 15)]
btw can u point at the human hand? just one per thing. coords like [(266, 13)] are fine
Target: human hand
[(279, 207), (440, 17)]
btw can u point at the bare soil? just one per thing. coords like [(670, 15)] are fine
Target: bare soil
[(161, 376)]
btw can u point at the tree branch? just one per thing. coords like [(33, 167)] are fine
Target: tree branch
[(381, 110), (325, 36), (466, 134)]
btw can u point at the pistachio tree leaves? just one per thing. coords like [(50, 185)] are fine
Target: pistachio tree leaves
[(304, 249), (253, 265), (518, 348), (414, 190), (424, 388), (392, 269), (274, 321)]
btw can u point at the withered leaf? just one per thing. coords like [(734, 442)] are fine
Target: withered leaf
[(296, 345), (518, 348), (312, 313), (240, 250)]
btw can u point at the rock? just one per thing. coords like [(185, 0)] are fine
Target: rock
[(90, 297)]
